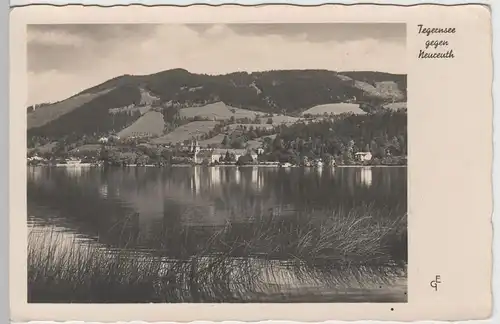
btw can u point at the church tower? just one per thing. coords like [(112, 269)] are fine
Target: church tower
[(196, 147)]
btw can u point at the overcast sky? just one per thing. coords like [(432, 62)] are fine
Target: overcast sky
[(66, 59)]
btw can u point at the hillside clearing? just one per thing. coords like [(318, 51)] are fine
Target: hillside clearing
[(263, 138), (253, 144), (247, 126), (149, 124), (221, 111), (130, 109), (87, 148), (240, 113), (344, 77), (218, 111), (282, 119), (384, 90), (217, 139), (186, 132), (396, 106), (146, 103), (335, 108), (147, 99), (49, 113), (47, 148)]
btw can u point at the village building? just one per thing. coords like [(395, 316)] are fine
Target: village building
[(329, 162), (36, 158), (103, 140), (318, 163), (305, 161), (194, 147), (204, 157), (194, 150), (199, 155), (270, 163), (363, 156), (254, 155), (141, 135), (106, 139), (219, 155)]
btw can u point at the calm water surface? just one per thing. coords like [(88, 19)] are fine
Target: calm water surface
[(174, 211)]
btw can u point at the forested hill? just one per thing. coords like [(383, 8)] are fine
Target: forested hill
[(271, 91), (114, 104)]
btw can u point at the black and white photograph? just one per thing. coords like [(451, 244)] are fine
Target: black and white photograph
[(217, 163)]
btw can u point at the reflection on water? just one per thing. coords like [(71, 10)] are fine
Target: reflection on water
[(35, 174), (248, 213), (103, 190), (215, 176), (191, 193), (73, 171), (366, 176)]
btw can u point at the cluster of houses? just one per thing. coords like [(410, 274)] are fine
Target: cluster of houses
[(107, 139), (72, 161), (219, 156), (201, 155), (35, 159), (193, 153)]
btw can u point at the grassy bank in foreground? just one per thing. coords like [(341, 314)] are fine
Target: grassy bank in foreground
[(344, 250)]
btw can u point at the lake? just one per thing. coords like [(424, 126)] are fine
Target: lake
[(223, 234)]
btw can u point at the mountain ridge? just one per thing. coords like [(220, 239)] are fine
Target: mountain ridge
[(121, 100)]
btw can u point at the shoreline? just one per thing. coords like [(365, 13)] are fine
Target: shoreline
[(216, 166), (372, 166)]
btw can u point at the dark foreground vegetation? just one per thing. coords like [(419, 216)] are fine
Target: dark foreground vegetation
[(359, 248)]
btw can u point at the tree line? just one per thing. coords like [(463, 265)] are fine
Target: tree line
[(384, 135)]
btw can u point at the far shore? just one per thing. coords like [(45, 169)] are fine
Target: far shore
[(371, 166), (218, 165)]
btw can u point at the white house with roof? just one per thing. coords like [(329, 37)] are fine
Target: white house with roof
[(220, 154), (103, 140), (36, 158), (254, 155), (363, 156)]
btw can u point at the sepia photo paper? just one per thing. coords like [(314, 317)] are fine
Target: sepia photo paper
[(250, 163)]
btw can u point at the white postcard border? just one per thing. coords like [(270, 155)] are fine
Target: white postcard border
[(418, 278)]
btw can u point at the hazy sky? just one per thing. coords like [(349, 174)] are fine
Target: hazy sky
[(66, 59)]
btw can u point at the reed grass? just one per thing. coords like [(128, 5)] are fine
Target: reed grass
[(346, 248), (363, 235)]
